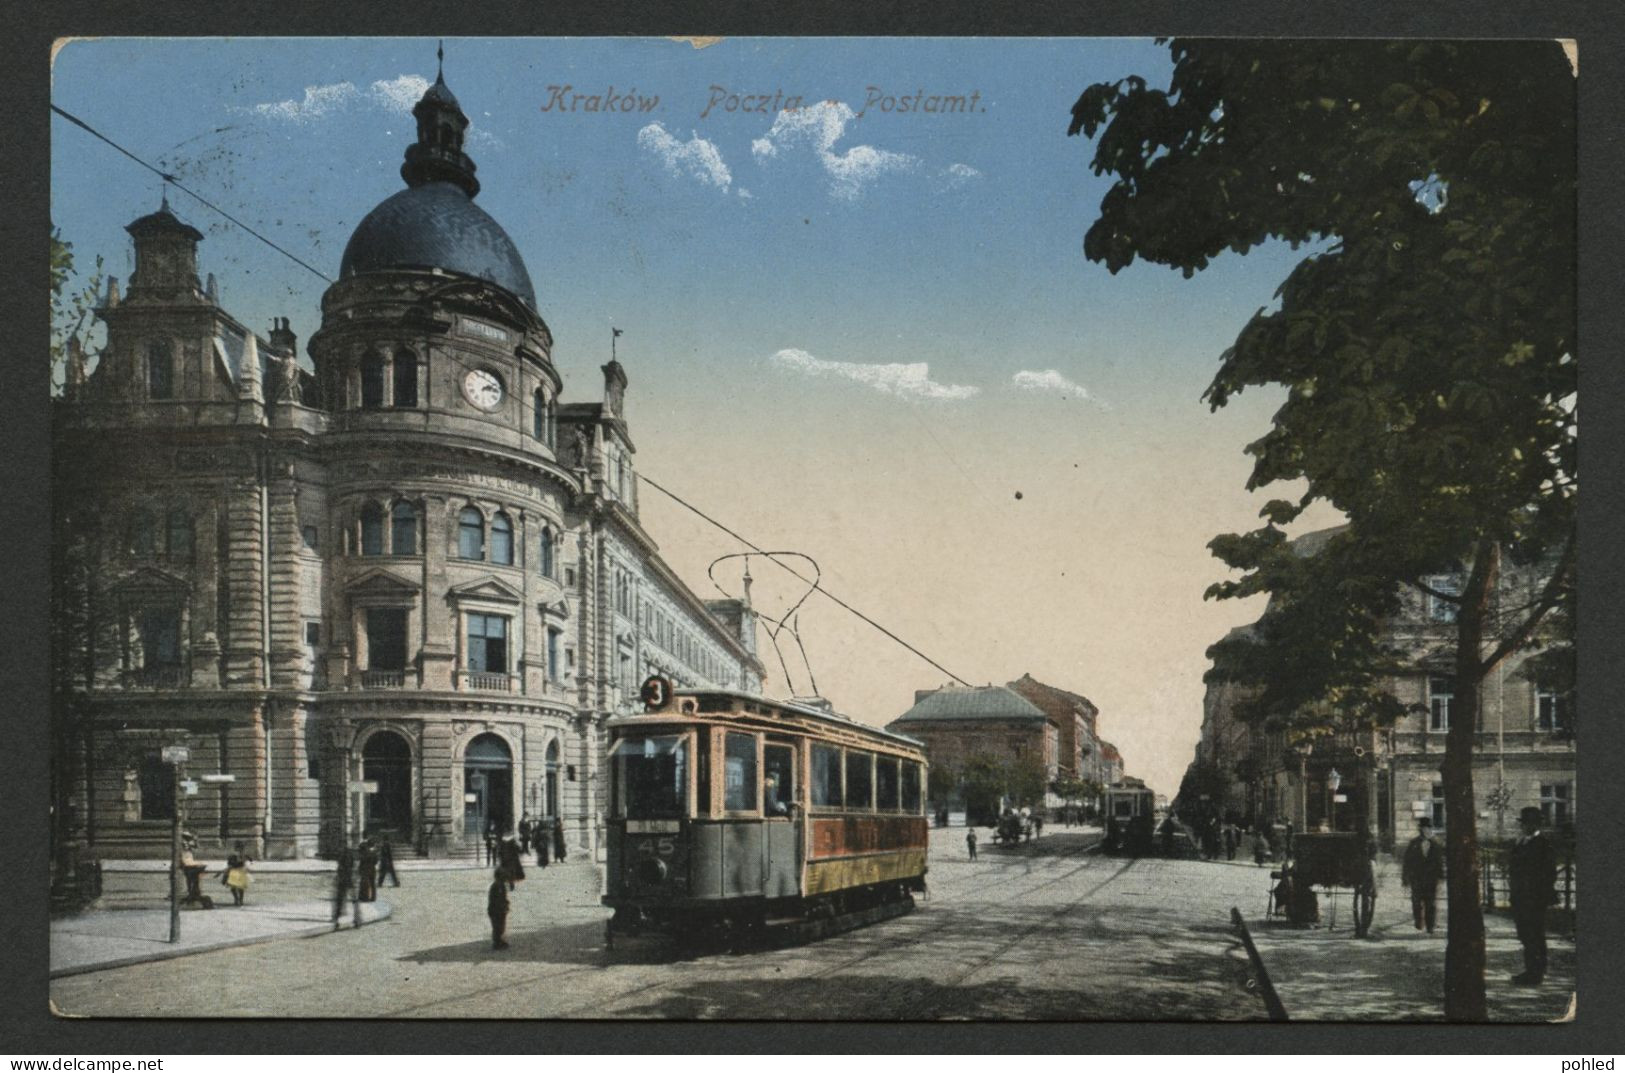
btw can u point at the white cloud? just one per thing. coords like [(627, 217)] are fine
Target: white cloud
[(399, 94), (317, 102), (1049, 380), (956, 175), (820, 126), (696, 157), (910, 381)]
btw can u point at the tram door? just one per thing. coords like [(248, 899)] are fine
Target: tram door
[(488, 782), (781, 842)]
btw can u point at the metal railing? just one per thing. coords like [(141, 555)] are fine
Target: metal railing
[(383, 679), (1497, 884)]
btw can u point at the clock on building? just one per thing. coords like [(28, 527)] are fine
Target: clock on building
[(483, 388)]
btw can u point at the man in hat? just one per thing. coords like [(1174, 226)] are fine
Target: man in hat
[(496, 907), (1421, 871), (1532, 876)]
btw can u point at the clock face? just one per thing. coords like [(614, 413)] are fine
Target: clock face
[(483, 388)]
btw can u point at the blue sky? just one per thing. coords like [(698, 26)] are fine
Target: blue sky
[(859, 335)]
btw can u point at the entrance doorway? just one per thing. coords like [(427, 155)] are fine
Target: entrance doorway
[(488, 787), (387, 760), (550, 804)]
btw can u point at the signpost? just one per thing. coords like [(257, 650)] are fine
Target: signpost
[(175, 756)]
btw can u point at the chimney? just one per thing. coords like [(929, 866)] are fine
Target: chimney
[(76, 366), (211, 290), (112, 292), (250, 385)]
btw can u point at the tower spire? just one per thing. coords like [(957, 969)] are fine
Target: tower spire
[(437, 156), (440, 61)]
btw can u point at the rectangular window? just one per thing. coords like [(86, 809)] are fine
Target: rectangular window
[(826, 776), (886, 788), (1556, 803), (1440, 693), (911, 787), (1443, 610), (157, 780), (860, 780), (553, 668), (488, 644), (778, 779), (1552, 710), (311, 536), (739, 773), (313, 634), (386, 639), (652, 774), (1438, 806), (160, 372), (160, 630)]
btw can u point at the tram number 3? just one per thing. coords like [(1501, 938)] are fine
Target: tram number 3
[(656, 691), (649, 847)]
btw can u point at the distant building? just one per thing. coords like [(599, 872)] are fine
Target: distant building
[(1524, 745), (957, 723), (1075, 719), (1111, 764)]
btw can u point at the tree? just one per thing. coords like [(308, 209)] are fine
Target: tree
[(72, 308), (1426, 347)]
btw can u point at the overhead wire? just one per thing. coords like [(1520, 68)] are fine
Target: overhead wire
[(680, 501), (169, 178)]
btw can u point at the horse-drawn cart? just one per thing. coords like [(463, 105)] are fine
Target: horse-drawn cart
[(1334, 863)]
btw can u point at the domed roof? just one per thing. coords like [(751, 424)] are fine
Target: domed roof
[(437, 225)]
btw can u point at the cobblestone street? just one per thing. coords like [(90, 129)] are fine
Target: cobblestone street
[(1049, 931)]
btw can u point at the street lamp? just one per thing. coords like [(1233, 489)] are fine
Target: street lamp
[(1333, 781)]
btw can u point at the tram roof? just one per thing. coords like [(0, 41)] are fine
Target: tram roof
[(831, 716)]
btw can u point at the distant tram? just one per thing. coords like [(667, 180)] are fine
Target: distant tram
[(1130, 818), (736, 813)]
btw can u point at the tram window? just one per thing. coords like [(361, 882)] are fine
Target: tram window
[(653, 775), (702, 771), (860, 780), (778, 779), (739, 773), (886, 783), (911, 787), (826, 776)]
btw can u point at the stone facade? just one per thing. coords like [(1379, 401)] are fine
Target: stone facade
[(1077, 722), (398, 594)]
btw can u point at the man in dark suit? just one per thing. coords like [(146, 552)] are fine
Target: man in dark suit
[(1421, 871), (496, 907), (1532, 876)]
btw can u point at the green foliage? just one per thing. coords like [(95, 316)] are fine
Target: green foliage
[(73, 305)]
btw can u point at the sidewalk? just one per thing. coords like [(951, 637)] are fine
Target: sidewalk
[(106, 939), (1396, 973), (304, 865)]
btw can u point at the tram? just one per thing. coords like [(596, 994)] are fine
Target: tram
[(735, 813), (1130, 818)]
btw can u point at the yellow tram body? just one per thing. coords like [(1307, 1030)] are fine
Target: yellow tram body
[(730, 809)]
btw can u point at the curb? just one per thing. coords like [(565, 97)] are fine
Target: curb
[(387, 910), (1272, 1001)]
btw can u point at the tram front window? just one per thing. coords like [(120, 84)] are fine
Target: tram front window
[(653, 775)]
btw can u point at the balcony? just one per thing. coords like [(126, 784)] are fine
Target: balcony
[(166, 676), (485, 681), (384, 679)]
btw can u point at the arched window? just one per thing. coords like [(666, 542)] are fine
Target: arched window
[(539, 415), (372, 380), (470, 534), (160, 371), (502, 540), (403, 529), (406, 378), (545, 558), (179, 533), (372, 529), (143, 533)]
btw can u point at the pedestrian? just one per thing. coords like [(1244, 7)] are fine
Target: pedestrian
[(538, 837), (496, 907), (1169, 829), (368, 888), (343, 881), (386, 862), (1420, 871), (1261, 846), (490, 842), (524, 833), (1232, 839), (193, 870), (1532, 876), (558, 839), (236, 875), (1288, 847), (970, 842), (1038, 826), (511, 865)]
